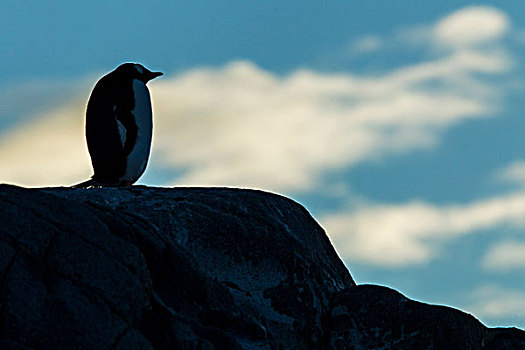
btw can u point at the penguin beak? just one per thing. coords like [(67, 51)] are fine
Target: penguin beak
[(153, 75)]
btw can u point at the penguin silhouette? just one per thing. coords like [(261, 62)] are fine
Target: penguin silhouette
[(119, 126)]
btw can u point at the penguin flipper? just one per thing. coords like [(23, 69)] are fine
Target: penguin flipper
[(128, 136)]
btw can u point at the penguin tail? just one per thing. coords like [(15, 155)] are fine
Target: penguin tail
[(85, 184)]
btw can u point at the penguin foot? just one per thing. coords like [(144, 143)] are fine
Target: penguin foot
[(85, 184), (91, 183)]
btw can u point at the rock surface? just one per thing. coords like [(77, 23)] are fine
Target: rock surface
[(197, 268)]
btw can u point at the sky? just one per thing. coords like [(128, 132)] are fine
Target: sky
[(398, 125)]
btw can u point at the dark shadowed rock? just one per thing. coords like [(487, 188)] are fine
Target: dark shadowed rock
[(196, 268), (378, 317)]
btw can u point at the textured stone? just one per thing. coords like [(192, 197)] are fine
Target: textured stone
[(196, 268)]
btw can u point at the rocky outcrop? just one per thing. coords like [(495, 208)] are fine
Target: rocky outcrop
[(196, 268), (375, 317)]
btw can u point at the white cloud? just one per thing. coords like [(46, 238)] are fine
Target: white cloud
[(240, 125), (21, 100), (47, 151), (506, 256), (366, 44), (413, 233), (494, 303), (470, 26), (514, 173)]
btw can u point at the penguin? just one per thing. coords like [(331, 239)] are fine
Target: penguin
[(119, 126)]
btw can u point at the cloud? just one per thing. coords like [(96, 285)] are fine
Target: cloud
[(470, 26), (241, 125), (47, 151), (413, 233), (494, 303), (514, 173), (20, 101), (366, 44), (505, 256)]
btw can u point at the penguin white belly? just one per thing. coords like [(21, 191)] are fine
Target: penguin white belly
[(138, 158)]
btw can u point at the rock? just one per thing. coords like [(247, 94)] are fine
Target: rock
[(196, 268), (376, 317)]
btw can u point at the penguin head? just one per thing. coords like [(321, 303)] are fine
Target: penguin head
[(137, 71)]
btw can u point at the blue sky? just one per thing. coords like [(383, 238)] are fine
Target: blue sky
[(398, 125)]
